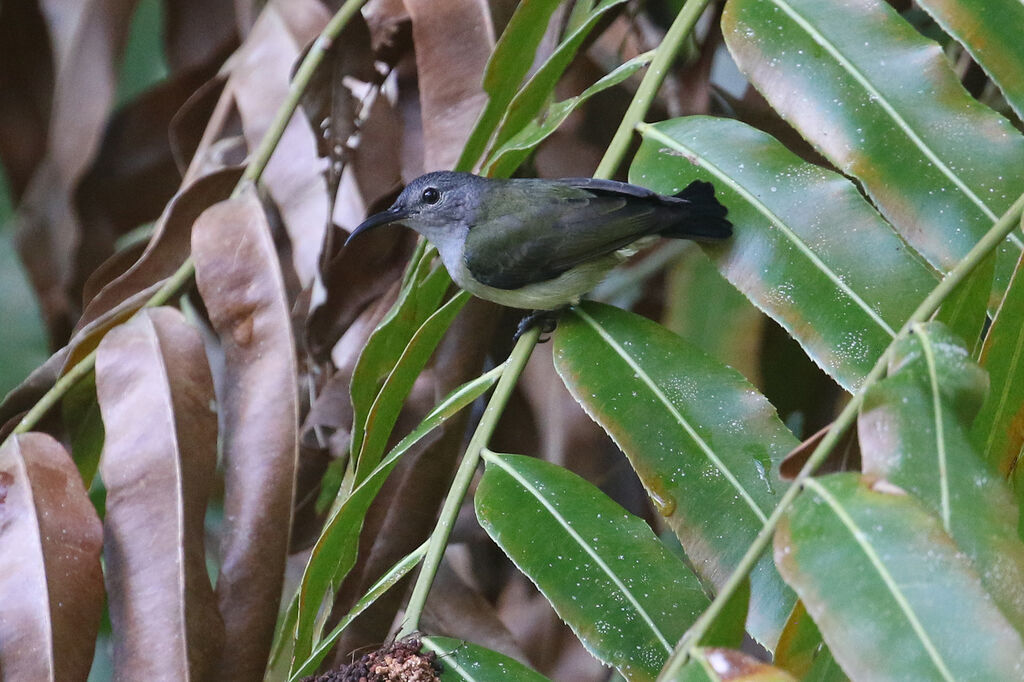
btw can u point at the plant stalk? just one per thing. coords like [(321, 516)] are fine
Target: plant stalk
[(464, 476), (649, 86), (182, 277), (988, 243)]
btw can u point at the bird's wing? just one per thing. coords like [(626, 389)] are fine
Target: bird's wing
[(545, 234)]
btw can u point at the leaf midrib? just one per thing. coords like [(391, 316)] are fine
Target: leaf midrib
[(595, 557), (859, 537), (760, 207), (900, 122), (687, 427)]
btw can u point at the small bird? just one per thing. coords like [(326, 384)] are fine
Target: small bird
[(541, 244)]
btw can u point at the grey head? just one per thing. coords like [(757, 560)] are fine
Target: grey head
[(439, 205)]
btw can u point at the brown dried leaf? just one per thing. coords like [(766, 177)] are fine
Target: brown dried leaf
[(159, 458), (168, 247), (51, 582), (240, 281), (453, 39), (26, 79), (259, 83), (196, 32), (134, 174), (845, 456), (87, 38), (196, 124)]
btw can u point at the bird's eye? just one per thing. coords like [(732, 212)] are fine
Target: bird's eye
[(431, 195)]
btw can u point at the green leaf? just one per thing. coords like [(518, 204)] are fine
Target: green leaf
[(334, 553), (966, 310), (999, 429), (913, 432), (419, 298), (881, 103), (383, 584), (786, 253), (893, 596), (727, 665), (800, 646), (465, 662), (515, 150), (81, 414), (384, 411), (622, 592), (529, 101), (705, 444), (509, 63), (990, 30), (730, 330)]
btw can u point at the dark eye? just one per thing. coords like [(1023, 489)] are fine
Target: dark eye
[(431, 195)]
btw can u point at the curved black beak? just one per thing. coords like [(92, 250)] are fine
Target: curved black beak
[(392, 215)]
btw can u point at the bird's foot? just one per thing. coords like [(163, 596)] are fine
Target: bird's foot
[(546, 320)]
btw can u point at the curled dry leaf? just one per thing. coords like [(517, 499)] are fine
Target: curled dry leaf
[(134, 174), (86, 38), (239, 278), (51, 583), (156, 395), (259, 84), (454, 40)]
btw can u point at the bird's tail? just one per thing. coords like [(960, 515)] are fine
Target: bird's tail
[(705, 219)]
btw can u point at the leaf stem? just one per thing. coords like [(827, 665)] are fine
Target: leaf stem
[(464, 476), (649, 86), (992, 239), (182, 277)]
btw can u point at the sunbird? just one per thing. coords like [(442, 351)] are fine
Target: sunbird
[(542, 244)]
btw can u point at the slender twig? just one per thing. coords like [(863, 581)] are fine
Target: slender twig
[(464, 476), (649, 86), (988, 243), (182, 277)]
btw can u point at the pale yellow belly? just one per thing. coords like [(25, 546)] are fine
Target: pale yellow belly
[(566, 289)]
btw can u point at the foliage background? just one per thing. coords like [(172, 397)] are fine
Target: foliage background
[(338, 389)]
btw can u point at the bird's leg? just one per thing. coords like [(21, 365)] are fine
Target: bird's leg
[(547, 320)]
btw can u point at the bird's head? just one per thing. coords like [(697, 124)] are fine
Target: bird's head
[(438, 205)]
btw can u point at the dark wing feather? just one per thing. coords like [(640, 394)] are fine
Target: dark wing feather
[(550, 228)]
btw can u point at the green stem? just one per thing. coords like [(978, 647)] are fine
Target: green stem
[(464, 476), (520, 354), (649, 86), (988, 243), (182, 277)]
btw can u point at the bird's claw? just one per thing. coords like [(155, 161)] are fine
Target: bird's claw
[(546, 320)]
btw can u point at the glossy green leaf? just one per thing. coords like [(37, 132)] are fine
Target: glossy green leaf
[(510, 62), (990, 30), (999, 429), (334, 553), (81, 414), (729, 330), (787, 253), (383, 584), (465, 662), (704, 442), (515, 150), (800, 647), (881, 102), (966, 310), (913, 432), (894, 597), (419, 298), (626, 597), (727, 665), (530, 100), (383, 413)]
